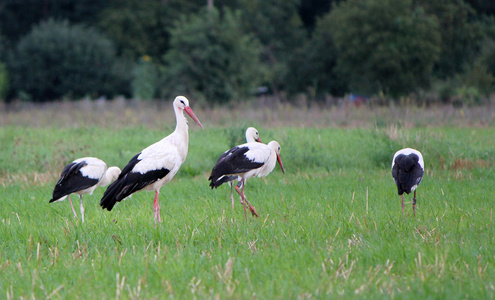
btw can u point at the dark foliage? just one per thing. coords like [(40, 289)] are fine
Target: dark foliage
[(398, 47), (212, 58), (385, 46), (57, 59)]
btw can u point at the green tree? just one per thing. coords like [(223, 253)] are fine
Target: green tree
[(460, 32), (18, 16), (144, 79), (385, 46), (212, 57), (276, 23), (483, 6), (482, 72), (314, 66), (58, 59), (141, 28), (4, 81)]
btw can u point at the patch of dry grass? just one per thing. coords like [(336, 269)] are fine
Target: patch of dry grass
[(467, 164), (269, 112)]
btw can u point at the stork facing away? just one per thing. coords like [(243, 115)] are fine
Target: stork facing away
[(407, 171)]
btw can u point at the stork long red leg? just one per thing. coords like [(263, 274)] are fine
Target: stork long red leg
[(251, 208), (244, 199), (73, 210), (245, 214), (156, 209)]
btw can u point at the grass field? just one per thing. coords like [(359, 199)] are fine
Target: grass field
[(331, 227)]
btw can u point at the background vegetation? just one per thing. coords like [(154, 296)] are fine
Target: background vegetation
[(231, 50), (331, 227)]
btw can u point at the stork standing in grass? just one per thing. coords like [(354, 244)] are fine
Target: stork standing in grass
[(156, 165), (252, 136), (407, 171), (246, 161), (83, 176)]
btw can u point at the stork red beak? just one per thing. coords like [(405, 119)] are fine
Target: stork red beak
[(280, 163), (258, 140), (193, 116)]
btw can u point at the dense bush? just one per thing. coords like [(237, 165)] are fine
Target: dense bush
[(392, 48), (140, 28), (57, 59), (144, 80), (460, 35), (277, 25), (385, 46), (316, 65), (212, 57), (4, 81)]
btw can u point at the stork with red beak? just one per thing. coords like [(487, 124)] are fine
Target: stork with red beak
[(252, 136), (246, 161), (156, 165)]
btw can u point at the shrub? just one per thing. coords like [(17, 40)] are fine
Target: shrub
[(315, 65), (387, 46), (212, 57), (4, 81), (144, 81), (57, 59)]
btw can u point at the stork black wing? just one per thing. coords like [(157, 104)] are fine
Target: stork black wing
[(230, 163), (406, 172), (130, 182), (71, 181)]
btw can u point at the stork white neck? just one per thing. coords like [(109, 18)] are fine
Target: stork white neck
[(181, 128), (110, 175)]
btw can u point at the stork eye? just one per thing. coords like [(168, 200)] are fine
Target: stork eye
[(182, 101)]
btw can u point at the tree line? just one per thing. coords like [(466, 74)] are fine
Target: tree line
[(220, 51)]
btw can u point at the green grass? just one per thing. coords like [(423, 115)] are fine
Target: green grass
[(331, 227)]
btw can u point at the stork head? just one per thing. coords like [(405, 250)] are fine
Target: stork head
[(252, 135), (275, 146), (182, 103), (110, 176), (114, 173)]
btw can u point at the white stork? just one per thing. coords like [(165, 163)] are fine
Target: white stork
[(156, 165), (252, 136), (407, 171), (246, 161), (83, 176)]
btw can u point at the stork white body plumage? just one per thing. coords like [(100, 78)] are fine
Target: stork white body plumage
[(156, 165), (252, 136), (246, 161), (83, 176), (407, 171)]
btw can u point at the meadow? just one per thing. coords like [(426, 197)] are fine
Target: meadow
[(331, 227)]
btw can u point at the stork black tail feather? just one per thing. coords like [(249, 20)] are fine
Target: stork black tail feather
[(216, 182), (128, 184), (109, 198)]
